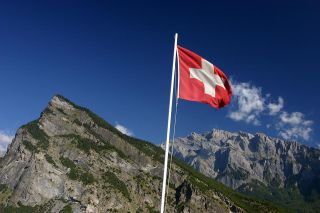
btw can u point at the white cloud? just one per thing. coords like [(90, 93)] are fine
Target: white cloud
[(294, 118), (294, 126), (296, 133), (274, 108), (249, 103), (124, 130), (5, 140), (251, 106)]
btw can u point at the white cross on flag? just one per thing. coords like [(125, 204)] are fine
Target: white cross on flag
[(201, 81)]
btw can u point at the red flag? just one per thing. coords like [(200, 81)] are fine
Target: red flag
[(201, 81)]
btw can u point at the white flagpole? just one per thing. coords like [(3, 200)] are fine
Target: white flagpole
[(165, 166)]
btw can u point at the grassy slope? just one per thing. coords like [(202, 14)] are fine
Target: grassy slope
[(289, 197)]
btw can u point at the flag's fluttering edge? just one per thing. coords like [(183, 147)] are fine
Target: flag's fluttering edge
[(201, 81)]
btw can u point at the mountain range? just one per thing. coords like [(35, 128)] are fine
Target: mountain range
[(283, 172), (71, 160)]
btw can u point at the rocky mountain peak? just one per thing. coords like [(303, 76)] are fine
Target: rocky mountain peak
[(60, 102)]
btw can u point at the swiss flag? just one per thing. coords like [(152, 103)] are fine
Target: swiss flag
[(201, 81)]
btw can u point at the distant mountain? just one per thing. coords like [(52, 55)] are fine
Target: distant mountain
[(279, 171), (71, 160)]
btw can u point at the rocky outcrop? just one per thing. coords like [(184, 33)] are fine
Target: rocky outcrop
[(242, 160), (71, 159)]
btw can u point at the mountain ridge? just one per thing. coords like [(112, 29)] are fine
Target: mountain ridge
[(70, 159), (273, 169)]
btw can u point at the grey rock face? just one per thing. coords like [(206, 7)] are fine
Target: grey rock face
[(239, 158)]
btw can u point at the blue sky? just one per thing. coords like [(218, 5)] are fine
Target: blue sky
[(115, 58)]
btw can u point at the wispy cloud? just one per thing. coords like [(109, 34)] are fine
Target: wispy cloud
[(124, 130), (274, 108), (294, 126), (295, 118), (5, 140), (250, 105)]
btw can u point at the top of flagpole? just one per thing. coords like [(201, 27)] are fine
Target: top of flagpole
[(178, 68)]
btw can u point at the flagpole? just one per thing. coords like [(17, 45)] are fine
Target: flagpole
[(165, 165)]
